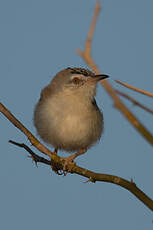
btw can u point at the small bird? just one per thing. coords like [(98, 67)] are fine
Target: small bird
[(66, 115)]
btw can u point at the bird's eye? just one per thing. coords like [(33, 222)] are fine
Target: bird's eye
[(76, 80)]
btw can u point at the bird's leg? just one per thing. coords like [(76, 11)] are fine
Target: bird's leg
[(74, 155), (69, 160)]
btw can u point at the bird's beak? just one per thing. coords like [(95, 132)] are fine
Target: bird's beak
[(96, 78), (100, 77)]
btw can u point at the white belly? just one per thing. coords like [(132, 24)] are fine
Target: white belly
[(70, 126)]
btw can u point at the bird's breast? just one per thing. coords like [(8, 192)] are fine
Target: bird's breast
[(68, 123)]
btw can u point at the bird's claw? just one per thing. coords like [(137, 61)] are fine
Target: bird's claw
[(67, 163)]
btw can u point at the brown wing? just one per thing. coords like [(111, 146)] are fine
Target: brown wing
[(45, 93)]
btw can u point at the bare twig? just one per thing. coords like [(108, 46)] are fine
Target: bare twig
[(23, 129), (134, 88), (56, 165), (134, 101), (34, 156), (86, 55)]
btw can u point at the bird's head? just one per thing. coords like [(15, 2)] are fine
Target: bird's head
[(77, 81)]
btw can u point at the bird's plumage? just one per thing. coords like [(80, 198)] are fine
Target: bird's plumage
[(67, 116)]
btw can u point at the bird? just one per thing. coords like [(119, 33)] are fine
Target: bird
[(67, 116)]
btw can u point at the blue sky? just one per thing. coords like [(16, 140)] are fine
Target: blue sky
[(38, 39)]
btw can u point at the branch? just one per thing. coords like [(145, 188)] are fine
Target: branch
[(24, 130), (34, 156), (135, 89), (134, 101), (93, 177), (57, 163), (86, 56)]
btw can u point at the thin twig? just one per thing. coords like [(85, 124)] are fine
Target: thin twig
[(92, 28), (55, 164), (134, 88), (134, 101), (34, 156), (23, 129), (86, 56)]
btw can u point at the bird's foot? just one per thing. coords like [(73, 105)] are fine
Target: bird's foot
[(68, 162)]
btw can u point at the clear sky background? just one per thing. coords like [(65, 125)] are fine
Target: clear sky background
[(38, 39)]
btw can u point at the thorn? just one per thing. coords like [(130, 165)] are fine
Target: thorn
[(34, 160), (132, 181), (91, 179), (86, 181)]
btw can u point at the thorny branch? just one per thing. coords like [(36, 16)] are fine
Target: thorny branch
[(23, 129), (92, 176), (33, 156), (57, 163)]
